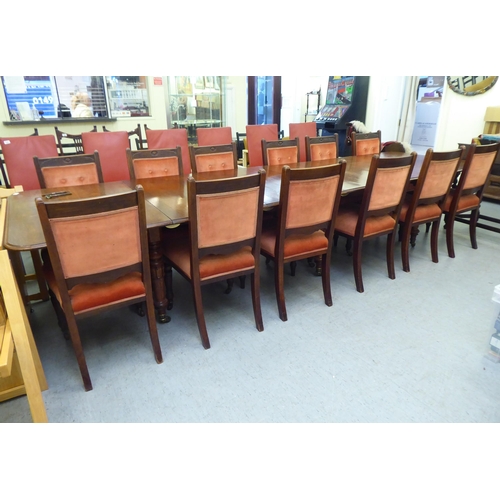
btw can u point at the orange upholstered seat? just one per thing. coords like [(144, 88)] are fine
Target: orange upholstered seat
[(225, 220), (214, 158), (255, 134), (280, 152), (366, 144), (309, 201), (322, 148), (148, 163)]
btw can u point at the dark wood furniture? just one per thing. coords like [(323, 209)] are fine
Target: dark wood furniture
[(69, 144), (225, 222), (64, 171), (148, 163), (424, 205), (98, 261), (304, 227), (280, 152), (467, 195), (378, 213)]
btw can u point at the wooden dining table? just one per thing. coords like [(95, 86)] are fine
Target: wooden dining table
[(166, 204)]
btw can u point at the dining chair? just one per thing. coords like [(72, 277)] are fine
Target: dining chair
[(112, 147), (136, 132), (214, 136), (378, 212), (468, 193), (18, 153), (98, 261), (366, 144), (309, 202), (148, 163), (280, 152), (241, 147), (225, 223), (322, 148), (74, 144), (168, 139), (255, 134), (214, 158), (302, 130), (68, 170), (424, 205)]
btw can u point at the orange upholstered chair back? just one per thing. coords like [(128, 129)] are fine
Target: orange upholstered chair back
[(18, 153), (387, 182), (214, 158), (148, 163), (255, 134), (112, 147), (170, 139), (322, 148), (226, 213), (65, 171), (366, 144), (479, 169), (280, 152), (303, 130), (313, 196), (439, 176), (214, 136)]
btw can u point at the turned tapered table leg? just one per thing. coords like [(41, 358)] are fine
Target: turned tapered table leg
[(158, 275)]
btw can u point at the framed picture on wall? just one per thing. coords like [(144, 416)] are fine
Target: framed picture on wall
[(199, 83), (209, 82)]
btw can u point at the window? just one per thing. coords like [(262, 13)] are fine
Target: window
[(60, 97)]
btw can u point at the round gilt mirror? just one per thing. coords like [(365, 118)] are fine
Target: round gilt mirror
[(471, 85)]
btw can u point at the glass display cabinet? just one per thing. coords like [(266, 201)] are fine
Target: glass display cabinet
[(195, 102)]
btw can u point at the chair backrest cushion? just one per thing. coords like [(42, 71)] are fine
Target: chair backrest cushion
[(323, 151), (438, 179), (214, 161), (216, 228), (388, 187), (311, 201), (301, 130), (74, 175), (85, 246), (112, 148), (18, 153), (169, 139), (145, 168), (367, 147), (479, 169), (255, 134), (282, 156), (214, 136)]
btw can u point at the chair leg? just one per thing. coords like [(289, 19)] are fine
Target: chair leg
[(405, 248), (279, 280), (358, 277), (413, 235), (77, 347), (153, 330), (325, 278), (257, 311), (230, 283), (168, 286), (427, 227), (242, 282), (200, 316), (434, 241), (293, 267), (348, 246), (450, 222), (391, 237), (474, 216)]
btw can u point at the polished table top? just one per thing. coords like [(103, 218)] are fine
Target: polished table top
[(166, 198)]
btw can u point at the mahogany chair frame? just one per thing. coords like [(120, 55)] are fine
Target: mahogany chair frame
[(326, 140), (428, 209), (370, 136), (197, 189), (469, 189), (52, 210), (282, 143), (197, 151), (154, 154), (67, 161), (281, 232), (76, 143), (365, 213)]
